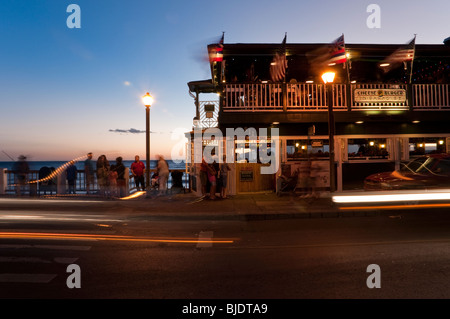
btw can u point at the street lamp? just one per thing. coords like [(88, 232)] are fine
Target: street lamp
[(328, 78), (147, 99)]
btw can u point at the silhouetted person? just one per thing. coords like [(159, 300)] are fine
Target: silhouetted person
[(21, 169), (102, 174), (71, 172), (89, 173), (120, 169)]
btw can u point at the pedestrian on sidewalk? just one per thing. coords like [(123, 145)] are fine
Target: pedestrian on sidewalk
[(21, 169), (224, 169), (204, 176), (163, 174), (119, 168), (212, 177), (103, 168), (71, 173), (137, 170), (89, 173)]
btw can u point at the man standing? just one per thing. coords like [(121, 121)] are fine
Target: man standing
[(89, 172), (137, 169)]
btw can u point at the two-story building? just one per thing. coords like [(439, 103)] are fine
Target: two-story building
[(383, 115)]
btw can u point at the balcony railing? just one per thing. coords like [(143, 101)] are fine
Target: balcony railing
[(294, 97)]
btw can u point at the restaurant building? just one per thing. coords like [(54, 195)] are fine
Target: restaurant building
[(387, 104)]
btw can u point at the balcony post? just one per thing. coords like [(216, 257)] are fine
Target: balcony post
[(285, 101), (409, 96), (3, 181)]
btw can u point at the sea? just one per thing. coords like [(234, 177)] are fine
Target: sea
[(37, 165)]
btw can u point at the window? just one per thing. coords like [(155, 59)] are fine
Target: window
[(367, 148), (301, 149), (429, 145)]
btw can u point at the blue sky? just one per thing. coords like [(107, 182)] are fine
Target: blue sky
[(62, 90)]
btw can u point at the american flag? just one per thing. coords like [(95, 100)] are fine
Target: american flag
[(405, 54), (337, 52), (279, 63)]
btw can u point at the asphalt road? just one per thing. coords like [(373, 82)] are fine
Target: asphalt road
[(137, 257)]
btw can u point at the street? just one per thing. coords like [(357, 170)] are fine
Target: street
[(304, 258)]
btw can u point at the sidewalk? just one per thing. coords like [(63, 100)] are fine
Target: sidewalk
[(188, 206)]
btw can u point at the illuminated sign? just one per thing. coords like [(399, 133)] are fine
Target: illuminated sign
[(380, 95)]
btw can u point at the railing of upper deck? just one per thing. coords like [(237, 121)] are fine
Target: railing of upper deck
[(303, 97)]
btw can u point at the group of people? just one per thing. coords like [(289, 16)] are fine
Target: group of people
[(217, 176), (159, 178), (111, 178)]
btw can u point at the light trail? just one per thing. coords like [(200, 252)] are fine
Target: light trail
[(389, 207), (443, 194), (59, 236)]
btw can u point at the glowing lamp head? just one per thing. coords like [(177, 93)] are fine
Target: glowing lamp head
[(328, 77), (147, 99)]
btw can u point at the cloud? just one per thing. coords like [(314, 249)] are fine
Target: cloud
[(130, 131)]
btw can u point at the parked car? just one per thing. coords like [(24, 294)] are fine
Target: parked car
[(429, 171)]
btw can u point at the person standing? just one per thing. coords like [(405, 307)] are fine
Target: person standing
[(212, 177), (224, 169), (137, 169), (163, 173), (71, 172), (119, 168), (21, 169), (112, 182), (89, 173), (102, 174), (204, 176)]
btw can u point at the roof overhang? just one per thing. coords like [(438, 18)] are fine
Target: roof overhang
[(204, 86)]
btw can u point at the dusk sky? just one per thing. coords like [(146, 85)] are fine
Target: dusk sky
[(62, 90)]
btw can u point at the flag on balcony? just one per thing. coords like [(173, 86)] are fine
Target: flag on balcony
[(216, 51), (401, 55), (337, 52), (328, 55), (279, 63)]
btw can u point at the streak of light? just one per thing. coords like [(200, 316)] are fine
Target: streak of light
[(45, 201), (134, 195), (393, 197), (21, 235), (383, 207)]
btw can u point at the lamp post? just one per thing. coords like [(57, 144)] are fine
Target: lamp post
[(328, 78), (147, 99)]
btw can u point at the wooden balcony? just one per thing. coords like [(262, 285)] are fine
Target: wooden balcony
[(310, 97)]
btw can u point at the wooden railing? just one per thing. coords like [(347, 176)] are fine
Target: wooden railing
[(431, 96), (294, 97)]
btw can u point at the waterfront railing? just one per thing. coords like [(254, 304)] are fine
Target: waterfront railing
[(59, 185)]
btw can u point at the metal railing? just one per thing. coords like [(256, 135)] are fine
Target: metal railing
[(295, 97), (51, 186)]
